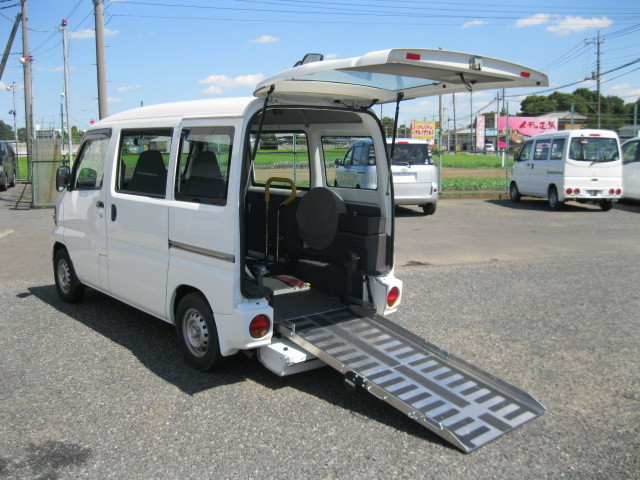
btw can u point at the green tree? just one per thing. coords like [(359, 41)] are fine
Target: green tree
[(6, 132)]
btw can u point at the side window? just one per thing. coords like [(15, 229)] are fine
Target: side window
[(282, 154), (630, 152), (361, 150), (348, 158), (557, 148), (203, 168), (525, 153), (541, 150), (144, 155), (89, 169)]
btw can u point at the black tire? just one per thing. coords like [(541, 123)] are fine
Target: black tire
[(606, 205), (4, 185), (429, 208), (514, 193), (197, 332), (554, 203), (13, 180), (69, 287)]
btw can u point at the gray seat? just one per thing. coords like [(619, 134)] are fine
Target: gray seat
[(150, 174), (205, 177)]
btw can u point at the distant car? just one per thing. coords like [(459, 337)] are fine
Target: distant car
[(631, 169), (7, 165), (415, 177), (489, 147)]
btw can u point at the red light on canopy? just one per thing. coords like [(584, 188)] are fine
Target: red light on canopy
[(525, 74), (413, 56)]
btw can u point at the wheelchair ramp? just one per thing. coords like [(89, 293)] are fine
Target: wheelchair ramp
[(461, 403)]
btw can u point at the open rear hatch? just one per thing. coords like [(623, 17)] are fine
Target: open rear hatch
[(379, 77)]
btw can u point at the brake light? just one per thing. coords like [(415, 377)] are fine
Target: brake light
[(413, 56), (569, 191), (259, 326), (525, 74), (594, 134), (393, 296), (611, 191), (576, 191), (618, 191)]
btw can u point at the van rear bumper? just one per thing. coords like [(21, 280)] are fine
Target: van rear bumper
[(415, 193), (233, 330)]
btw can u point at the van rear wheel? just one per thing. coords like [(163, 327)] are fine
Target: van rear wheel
[(554, 202), (197, 332), (429, 208), (606, 205), (69, 287)]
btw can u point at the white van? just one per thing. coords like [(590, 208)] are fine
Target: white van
[(177, 210), (580, 165)]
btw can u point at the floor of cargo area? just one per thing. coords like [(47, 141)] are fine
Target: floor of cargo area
[(303, 302)]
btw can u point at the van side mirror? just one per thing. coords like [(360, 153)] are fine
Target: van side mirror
[(338, 162), (516, 157), (63, 178)]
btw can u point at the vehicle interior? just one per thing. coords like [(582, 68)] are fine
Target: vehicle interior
[(309, 245)]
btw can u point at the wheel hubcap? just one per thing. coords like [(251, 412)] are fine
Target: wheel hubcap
[(196, 333), (64, 276)]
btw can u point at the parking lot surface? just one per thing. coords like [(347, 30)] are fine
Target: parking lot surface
[(548, 301)]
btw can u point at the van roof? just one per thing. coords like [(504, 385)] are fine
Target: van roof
[(218, 107)]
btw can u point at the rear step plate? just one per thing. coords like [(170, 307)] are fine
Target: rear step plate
[(461, 403)]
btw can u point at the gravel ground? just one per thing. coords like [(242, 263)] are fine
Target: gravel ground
[(547, 301)]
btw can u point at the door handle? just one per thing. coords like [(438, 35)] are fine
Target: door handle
[(114, 213), (100, 204)]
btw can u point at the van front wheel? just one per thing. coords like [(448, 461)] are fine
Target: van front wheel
[(69, 287), (197, 333), (514, 193)]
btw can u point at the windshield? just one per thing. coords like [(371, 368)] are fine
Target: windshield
[(594, 149), (411, 154)]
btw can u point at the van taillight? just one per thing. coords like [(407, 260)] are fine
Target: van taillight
[(618, 191), (259, 326), (576, 191), (569, 191), (393, 296), (611, 191)]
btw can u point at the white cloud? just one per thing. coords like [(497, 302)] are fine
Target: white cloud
[(90, 33), (563, 25), (218, 83), (474, 23), (265, 39), (331, 56), (537, 19), (569, 25), (624, 90), (126, 88), (113, 100)]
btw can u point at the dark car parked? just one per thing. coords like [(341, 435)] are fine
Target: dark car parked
[(7, 165)]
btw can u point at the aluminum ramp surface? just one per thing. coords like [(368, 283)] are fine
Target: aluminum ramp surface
[(461, 403)]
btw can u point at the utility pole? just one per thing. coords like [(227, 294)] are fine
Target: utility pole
[(26, 65), (67, 101), (455, 130), (471, 127), (596, 75), (7, 49), (100, 61), (14, 113)]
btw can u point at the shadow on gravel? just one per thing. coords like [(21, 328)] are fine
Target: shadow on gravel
[(153, 342), (540, 204)]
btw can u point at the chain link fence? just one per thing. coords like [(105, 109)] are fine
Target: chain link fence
[(47, 158)]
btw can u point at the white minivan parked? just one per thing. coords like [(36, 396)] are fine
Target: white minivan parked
[(415, 177), (175, 210), (580, 165)]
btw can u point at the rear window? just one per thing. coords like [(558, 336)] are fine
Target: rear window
[(282, 155), (593, 149), (411, 154)]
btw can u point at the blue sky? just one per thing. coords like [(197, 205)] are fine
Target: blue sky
[(170, 50)]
